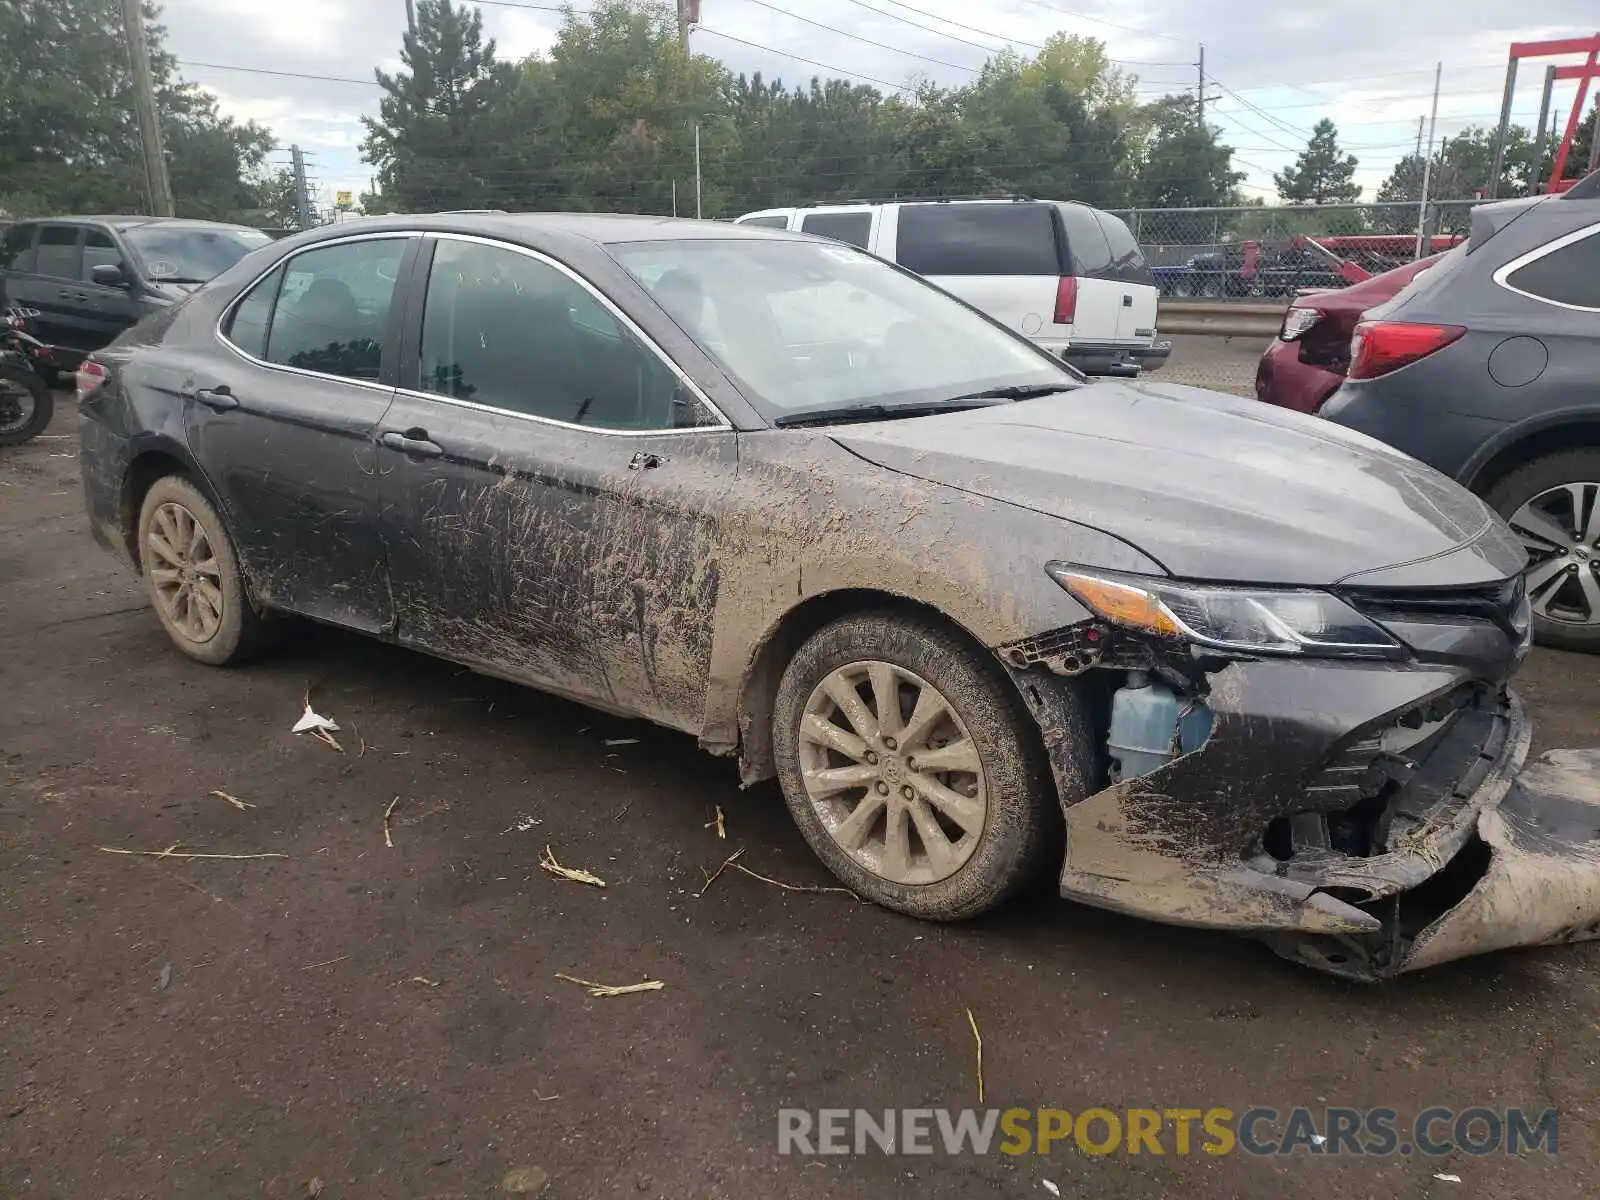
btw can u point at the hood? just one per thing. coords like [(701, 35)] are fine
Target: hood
[(1213, 487)]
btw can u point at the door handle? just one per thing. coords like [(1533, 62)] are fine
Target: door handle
[(414, 442), (220, 397), (644, 461)]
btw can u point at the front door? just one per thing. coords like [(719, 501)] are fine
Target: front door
[(108, 310), (550, 488), (283, 422)]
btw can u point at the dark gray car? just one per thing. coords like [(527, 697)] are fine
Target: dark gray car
[(1224, 665), (1488, 368), (82, 281)]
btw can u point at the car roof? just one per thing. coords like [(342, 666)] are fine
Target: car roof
[(131, 221), (600, 229)]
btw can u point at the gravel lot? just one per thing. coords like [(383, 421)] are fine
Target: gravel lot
[(387, 1021)]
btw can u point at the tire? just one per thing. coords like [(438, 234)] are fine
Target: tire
[(999, 851), (43, 407), (1535, 484), (216, 638)]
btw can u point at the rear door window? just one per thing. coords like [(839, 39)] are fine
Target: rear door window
[(1568, 275), (18, 252), (853, 227), (332, 310), (978, 239), (59, 254), (765, 222)]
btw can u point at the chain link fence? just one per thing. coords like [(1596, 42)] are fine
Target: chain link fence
[(1259, 253)]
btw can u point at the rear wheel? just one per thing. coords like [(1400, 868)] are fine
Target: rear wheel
[(192, 575), (25, 407), (1553, 504), (911, 767)]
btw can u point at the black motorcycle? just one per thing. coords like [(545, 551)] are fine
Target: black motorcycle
[(25, 401)]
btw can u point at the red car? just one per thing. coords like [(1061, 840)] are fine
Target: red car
[(1307, 361)]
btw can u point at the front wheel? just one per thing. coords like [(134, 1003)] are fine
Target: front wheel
[(911, 767), (1553, 504), (25, 406)]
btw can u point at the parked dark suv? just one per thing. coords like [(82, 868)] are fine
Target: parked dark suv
[(83, 280), (1488, 368)]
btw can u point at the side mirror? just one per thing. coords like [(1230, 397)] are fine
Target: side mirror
[(109, 274)]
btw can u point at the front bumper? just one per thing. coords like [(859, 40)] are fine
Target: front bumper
[(1309, 820), (1111, 358)]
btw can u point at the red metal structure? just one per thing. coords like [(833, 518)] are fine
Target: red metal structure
[(1589, 70)]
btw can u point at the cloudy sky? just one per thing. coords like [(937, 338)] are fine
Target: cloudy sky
[(1273, 70)]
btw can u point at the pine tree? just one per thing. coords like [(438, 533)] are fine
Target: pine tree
[(1323, 174), (435, 136)]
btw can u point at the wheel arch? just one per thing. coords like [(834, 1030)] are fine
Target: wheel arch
[(759, 688), (153, 459), (1571, 429)]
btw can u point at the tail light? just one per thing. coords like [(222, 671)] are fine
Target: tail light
[(1066, 300), (90, 376), (1383, 346), (1298, 322)]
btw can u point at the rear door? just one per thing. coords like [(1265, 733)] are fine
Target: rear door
[(1130, 275), (55, 287), (1002, 258), (854, 225)]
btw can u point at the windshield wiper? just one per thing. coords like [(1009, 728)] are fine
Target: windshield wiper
[(1025, 391), (879, 412)]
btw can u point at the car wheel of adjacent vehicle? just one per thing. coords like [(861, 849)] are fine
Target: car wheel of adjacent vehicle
[(192, 575), (1553, 503), (25, 407), (911, 767)]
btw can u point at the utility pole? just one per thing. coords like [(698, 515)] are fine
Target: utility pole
[(411, 16), (688, 18), (302, 198), (1427, 163), (144, 102), (1422, 121), (697, 214), (1202, 92)]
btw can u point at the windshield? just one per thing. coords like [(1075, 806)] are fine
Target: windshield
[(190, 254), (806, 327)]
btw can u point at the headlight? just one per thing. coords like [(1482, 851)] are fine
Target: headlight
[(1243, 620)]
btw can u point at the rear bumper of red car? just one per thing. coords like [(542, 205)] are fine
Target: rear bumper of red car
[(1282, 379)]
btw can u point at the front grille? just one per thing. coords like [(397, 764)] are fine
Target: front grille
[(1502, 603)]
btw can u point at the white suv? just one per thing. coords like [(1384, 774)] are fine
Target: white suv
[(1068, 276)]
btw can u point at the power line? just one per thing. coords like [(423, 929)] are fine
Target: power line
[(898, 87), (285, 74), (1067, 12), (940, 32), (857, 37)]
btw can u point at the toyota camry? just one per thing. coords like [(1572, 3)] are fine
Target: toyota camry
[(1211, 662)]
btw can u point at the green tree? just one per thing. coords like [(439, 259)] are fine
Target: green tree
[(1323, 174), (1184, 165), (68, 138), (440, 121)]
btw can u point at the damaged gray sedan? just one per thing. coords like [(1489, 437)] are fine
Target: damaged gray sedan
[(1222, 665)]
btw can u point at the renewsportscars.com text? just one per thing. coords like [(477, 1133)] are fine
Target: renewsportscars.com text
[(1261, 1132)]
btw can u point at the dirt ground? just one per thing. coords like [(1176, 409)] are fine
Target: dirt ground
[(387, 1021)]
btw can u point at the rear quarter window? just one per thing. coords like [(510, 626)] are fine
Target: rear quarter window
[(765, 222), (978, 239), (855, 228), (1568, 275), (16, 253), (1091, 253)]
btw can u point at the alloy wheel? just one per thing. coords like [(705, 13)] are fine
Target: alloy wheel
[(1560, 528), (893, 772), (183, 567)]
